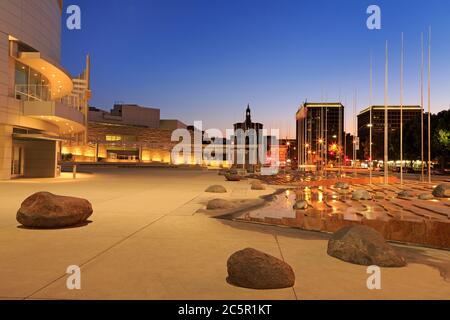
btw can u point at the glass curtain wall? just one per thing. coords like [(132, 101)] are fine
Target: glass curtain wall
[(31, 85)]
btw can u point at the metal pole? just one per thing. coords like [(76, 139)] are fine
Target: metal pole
[(370, 122), (401, 114), (326, 141), (422, 111), (340, 139), (321, 140), (354, 133), (429, 106), (386, 158)]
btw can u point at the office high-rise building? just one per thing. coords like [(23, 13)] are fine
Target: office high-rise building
[(320, 133), (409, 113)]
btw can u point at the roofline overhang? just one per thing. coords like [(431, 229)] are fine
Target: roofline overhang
[(35, 136)]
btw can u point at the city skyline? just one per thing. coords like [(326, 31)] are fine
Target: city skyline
[(195, 59)]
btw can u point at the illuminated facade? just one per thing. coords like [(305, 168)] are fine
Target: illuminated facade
[(40, 103), (127, 134), (319, 125)]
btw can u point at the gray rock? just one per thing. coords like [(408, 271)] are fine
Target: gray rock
[(405, 194), (233, 177), (442, 191), (301, 205), (48, 211), (361, 194), (219, 204), (216, 189), (426, 196), (341, 185), (364, 246), (250, 268)]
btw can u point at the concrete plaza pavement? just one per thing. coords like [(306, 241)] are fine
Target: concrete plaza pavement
[(147, 241)]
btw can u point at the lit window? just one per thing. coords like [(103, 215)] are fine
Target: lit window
[(113, 138)]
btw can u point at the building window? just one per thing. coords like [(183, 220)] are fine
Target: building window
[(30, 85), (113, 138)]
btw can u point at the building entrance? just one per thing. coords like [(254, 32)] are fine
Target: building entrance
[(17, 161)]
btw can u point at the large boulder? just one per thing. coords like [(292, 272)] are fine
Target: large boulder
[(361, 194), (47, 211), (216, 189), (364, 246), (442, 191), (341, 185), (233, 177), (219, 204), (250, 268)]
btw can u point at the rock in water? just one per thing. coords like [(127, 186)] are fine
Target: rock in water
[(216, 189), (405, 194), (426, 196), (301, 205), (341, 185), (232, 177), (360, 194), (46, 210), (219, 204), (442, 191), (250, 268), (364, 246)]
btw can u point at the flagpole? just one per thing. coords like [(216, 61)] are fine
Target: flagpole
[(354, 133), (422, 111), (401, 114), (370, 121), (386, 70), (429, 105)]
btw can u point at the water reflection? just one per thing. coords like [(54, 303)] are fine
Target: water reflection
[(325, 205)]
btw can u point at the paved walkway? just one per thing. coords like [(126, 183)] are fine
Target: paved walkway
[(147, 241)]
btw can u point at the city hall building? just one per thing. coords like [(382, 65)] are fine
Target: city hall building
[(40, 103)]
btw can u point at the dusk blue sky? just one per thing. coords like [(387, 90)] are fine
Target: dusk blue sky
[(206, 59)]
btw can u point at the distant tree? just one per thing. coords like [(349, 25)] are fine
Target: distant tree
[(440, 139), (440, 144)]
